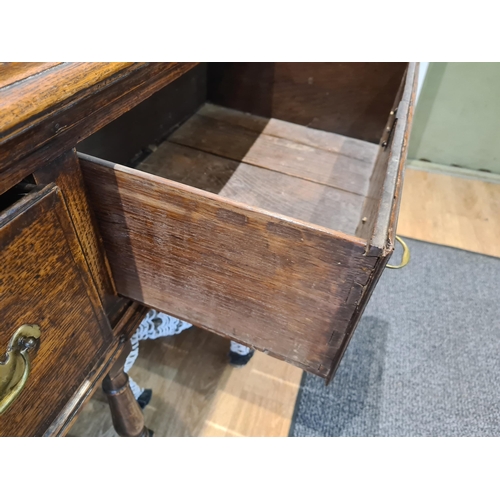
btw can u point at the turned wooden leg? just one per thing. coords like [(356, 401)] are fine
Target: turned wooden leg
[(128, 419)]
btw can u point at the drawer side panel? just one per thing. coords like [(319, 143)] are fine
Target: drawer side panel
[(282, 286)]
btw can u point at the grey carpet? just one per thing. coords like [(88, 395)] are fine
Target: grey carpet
[(425, 358)]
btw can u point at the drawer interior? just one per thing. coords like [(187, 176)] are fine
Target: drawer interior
[(270, 231), (298, 139), (311, 175), (16, 193)]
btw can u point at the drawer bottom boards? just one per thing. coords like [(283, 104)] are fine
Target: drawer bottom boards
[(310, 175)]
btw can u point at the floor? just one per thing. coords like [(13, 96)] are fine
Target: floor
[(451, 211), (195, 392)]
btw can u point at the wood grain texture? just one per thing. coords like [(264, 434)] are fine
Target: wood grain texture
[(373, 200), (146, 124), (128, 420), (328, 141), (125, 327), (190, 371), (76, 101), (270, 282), (303, 200), (197, 393), (382, 204), (65, 172), (45, 280), (387, 221), (190, 166), (14, 72), (276, 153), (460, 213), (62, 424), (206, 151), (387, 182), (260, 187), (31, 99), (351, 99)]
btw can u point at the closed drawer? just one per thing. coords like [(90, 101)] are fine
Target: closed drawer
[(45, 281), (285, 257)]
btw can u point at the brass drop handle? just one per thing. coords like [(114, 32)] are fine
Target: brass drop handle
[(406, 255), (15, 361)]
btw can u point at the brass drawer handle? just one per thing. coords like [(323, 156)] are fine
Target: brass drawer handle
[(406, 255), (26, 338)]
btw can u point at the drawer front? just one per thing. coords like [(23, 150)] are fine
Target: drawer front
[(283, 286), (45, 281)]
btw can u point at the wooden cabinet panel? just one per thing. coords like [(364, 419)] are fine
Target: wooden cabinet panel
[(350, 99), (44, 116), (45, 281), (65, 172)]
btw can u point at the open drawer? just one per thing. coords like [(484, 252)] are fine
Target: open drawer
[(285, 257)]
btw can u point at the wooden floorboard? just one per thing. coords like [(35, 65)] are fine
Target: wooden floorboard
[(304, 200), (196, 393), (289, 169), (274, 191), (190, 166), (453, 211), (319, 139), (275, 152)]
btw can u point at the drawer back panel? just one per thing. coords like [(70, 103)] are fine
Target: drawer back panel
[(351, 99)]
